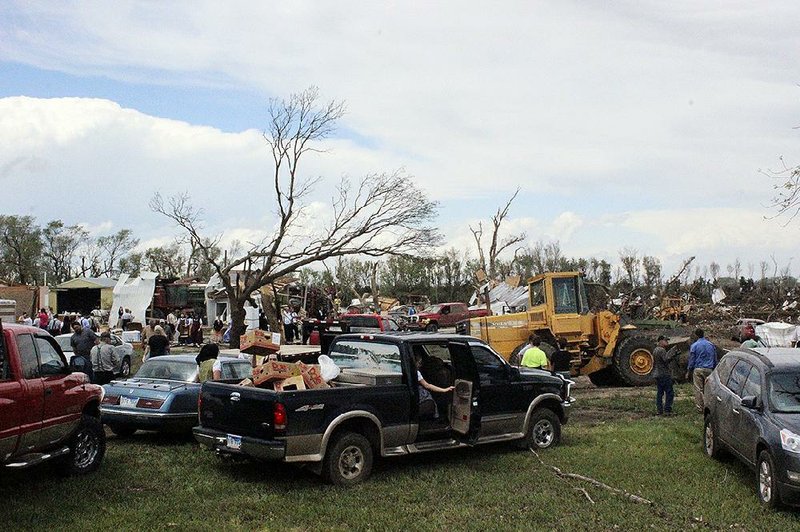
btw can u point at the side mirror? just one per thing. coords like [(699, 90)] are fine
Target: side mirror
[(752, 402)]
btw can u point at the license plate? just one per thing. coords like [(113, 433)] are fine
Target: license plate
[(129, 402), (234, 442)]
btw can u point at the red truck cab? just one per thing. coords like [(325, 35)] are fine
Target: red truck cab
[(370, 323), (47, 411), (437, 316)]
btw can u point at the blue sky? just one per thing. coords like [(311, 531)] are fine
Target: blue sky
[(640, 124)]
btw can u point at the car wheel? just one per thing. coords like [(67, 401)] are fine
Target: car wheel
[(348, 460), (125, 368), (767, 481), (431, 327), (122, 430), (544, 430), (86, 448), (710, 439)]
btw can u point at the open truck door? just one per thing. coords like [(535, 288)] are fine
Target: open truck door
[(465, 414)]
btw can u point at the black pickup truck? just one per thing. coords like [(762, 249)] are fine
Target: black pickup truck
[(373, 406)]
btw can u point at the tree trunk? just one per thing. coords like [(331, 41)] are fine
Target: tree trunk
[(237, 320)]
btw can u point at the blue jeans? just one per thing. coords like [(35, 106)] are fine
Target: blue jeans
[(664, 386)]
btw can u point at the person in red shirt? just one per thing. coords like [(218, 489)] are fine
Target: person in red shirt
[(44, 319)]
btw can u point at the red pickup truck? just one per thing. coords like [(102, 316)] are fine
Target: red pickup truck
[(47, 411), (436, 316)]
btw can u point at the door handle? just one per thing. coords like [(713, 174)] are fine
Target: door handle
[(48, 391)]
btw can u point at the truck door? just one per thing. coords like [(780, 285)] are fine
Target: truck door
[(11, 396), (32, 401), (62, 409), (465, 416)]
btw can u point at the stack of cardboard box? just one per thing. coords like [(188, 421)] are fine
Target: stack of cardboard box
[(283, 376), (258, 342)]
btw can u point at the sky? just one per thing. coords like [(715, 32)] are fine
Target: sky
[(643, 125)]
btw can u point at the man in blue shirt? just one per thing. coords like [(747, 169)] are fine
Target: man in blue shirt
[(702, 360)]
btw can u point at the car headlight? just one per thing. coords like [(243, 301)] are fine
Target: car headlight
[(790, 441)]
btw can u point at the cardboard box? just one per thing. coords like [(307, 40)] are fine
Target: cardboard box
[(258, 342), (312, 376), (247, 382), (274, 371), (290, 384)]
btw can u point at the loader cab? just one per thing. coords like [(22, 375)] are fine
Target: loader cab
[(559, 293), (558, 302)]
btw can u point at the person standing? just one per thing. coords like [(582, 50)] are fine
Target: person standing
[(210, 366), (534, 357), (25, 319), (702, 360), (55, 325), (662, 371), (217, 327), (196, 332), (560, 360), (751, 339), (172, 325), (146, 333), (127, 317), (44, 319), (82, 342), (158, 344), (288, 324), (104, 359)]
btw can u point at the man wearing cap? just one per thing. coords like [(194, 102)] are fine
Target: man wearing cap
[(662, 371), (104, 359), (751, 339), (82, 342), (702, 360)]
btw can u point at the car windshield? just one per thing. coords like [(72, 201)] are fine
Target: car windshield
[(63, 341), (784, 392), (172, 370), (358, 354)]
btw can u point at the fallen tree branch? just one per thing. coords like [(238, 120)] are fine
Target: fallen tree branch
[(586, 493), (596, 483)]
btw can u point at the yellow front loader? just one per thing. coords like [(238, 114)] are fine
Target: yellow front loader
[(602, 348)]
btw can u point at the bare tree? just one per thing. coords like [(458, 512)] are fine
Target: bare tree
[(786, 200), (498, 244), (714, 269), (652, 272), (113, 248), (383, 214), (631, 263)]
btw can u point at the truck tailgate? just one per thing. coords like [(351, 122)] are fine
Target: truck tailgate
[(239, 410)]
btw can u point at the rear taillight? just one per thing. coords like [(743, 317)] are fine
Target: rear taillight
[(150, 403), (111, 400), (279, 416)]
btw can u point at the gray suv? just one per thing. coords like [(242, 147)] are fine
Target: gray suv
[(752, 409)]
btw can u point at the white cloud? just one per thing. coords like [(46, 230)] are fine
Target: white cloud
[(625, 124)]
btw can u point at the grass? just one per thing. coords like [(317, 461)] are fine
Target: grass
[(157, 482)]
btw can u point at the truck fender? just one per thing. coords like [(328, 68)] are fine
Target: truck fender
[(538, 401), (347, 416)]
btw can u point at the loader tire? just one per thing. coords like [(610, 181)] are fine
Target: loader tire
[(633, 361)]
